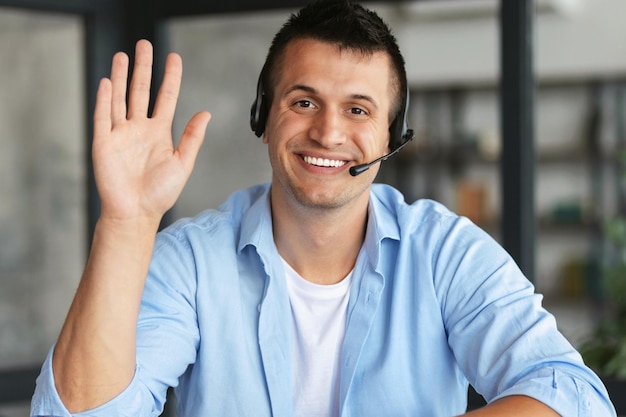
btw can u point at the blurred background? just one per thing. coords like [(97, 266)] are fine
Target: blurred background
[(452, 49)]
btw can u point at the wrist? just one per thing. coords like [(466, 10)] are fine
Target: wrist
[(138, 226), (128, 240)]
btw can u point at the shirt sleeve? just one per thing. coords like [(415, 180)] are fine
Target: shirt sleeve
[(503, 339), (167, 339), (133, 401)]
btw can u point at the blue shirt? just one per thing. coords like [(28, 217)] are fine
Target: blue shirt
[(435, 303)]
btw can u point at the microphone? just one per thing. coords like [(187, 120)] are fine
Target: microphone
[(359, 169)]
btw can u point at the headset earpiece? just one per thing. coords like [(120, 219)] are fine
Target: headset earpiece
[(399, 128), (259, 109), (258, 116)]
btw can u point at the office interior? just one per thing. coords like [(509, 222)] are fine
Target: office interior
[(519, 126)]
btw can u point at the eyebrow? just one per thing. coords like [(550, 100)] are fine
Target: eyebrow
[(311, 90)]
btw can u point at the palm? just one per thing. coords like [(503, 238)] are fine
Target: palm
[(138, 171)]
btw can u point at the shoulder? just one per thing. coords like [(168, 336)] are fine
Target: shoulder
[(390, 203), (429, 226), (226, 218)]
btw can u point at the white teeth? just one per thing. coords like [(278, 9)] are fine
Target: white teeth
[(321, 162)]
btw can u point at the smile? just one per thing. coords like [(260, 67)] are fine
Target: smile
[(321, 162)]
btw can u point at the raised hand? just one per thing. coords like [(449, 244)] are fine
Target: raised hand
[(138, 171), (139, 175)]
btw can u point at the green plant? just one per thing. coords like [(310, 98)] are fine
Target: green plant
[(605, 351)]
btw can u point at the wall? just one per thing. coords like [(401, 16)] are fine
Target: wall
[(222, 58), (42, 218), (584, 40), (42, 245)]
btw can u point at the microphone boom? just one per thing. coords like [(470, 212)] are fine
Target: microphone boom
[(359, 169)]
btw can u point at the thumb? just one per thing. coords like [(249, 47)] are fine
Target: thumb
[(192, 138)]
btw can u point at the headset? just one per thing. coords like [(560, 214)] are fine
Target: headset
[(400, 134), (259, 109)]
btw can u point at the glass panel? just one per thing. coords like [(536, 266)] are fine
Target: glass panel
[(42, 186), (222, 58)]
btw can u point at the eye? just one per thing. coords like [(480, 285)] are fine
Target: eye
[(305, 104), (357, 111)]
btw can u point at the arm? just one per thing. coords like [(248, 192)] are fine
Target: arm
[(505, 342), (139, 176), (514, 406)]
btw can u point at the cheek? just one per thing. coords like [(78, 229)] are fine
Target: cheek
[(378, 142), (273, 148), (276, 127)]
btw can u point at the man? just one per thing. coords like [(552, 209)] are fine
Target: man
[(319, 294)]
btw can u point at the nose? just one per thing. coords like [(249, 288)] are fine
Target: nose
[(328, 128)]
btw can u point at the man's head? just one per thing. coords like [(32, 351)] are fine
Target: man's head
[(347, 25)]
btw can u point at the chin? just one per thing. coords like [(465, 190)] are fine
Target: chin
[(327, 199)]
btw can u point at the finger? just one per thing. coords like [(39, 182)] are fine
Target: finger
[(167, 98), (102, 112), (119, 78), (139, 94), (192, 138)]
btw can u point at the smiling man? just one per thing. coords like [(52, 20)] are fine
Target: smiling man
[(319, 126), (320, 294)]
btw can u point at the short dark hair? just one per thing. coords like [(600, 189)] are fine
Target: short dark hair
[(348, 25)]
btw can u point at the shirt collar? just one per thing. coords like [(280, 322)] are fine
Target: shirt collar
[(256, 226), (382, 222)]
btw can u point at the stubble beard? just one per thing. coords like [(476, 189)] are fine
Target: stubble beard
[(318, 202)]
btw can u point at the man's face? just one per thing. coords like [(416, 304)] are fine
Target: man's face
[(330, 111)]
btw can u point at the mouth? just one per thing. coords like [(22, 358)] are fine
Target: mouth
[(323, 162)]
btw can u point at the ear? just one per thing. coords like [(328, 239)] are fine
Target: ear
[(265, 139)]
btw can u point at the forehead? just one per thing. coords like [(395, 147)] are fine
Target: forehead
[(309, 60)]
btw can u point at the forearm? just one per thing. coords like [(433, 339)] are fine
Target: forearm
[(514, 406), (94, 359)]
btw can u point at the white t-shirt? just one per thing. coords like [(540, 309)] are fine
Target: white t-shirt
[(318, 314)]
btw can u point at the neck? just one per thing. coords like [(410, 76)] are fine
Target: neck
[(320, 244)]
